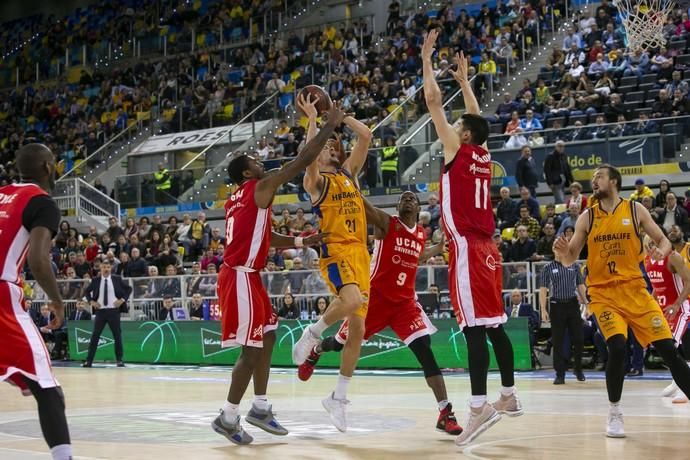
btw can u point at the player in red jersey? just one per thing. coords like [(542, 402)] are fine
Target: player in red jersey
[(670, 279), (247, 315), (29, 220), (398, 250), (474, 264)]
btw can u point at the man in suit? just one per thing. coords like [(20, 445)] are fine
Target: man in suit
[(81, 313), (517, 308), (107, 294), (166, 312)]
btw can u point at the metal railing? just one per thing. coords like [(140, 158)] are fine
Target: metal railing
[(85, 201)]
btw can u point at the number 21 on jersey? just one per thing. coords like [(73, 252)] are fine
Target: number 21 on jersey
[(481, 193)]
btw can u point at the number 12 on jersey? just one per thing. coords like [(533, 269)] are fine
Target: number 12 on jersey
[(481, 193)]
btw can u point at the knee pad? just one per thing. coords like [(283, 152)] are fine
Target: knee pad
[(421, 348), (617, 345)]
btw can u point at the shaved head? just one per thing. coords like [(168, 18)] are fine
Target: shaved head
[(36, 163)]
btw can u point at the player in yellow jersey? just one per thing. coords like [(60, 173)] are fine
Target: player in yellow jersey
[(331, 182), (617, 285)]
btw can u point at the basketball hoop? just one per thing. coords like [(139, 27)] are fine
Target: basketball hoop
[(644, 21)]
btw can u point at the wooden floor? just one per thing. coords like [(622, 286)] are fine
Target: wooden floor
[(145, 412)]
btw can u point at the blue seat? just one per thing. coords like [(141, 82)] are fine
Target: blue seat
[(284, 100)]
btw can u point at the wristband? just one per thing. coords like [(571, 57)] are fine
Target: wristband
[(299, 242)]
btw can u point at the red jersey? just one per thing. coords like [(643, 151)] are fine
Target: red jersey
[(395, 261), (247, 229), (19, 214), (465, 194), (666, 284)]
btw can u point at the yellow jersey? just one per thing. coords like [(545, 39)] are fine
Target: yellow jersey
[(614, 247), (685, 254), (340, 212)]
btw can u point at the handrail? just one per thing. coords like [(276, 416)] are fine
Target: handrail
[(242, 120), (92, 188), (98, 150)]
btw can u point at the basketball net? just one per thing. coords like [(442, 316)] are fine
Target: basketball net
[(644, 21)]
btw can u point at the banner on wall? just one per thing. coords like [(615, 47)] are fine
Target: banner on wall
[(199, 342)]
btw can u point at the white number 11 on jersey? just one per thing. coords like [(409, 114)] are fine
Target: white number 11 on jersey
[(481, 187)]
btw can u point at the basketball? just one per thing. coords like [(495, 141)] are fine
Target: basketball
[(315, 91)]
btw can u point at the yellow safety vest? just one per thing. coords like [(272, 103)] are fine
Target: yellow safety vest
[(389, 161), (158, 175)]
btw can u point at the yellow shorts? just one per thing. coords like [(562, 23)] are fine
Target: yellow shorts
[(347, 265), (628, 304)]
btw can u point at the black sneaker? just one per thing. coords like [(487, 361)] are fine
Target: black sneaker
[(635, 373), (580, 376), (559, 380), (120, 364), (86, 364)]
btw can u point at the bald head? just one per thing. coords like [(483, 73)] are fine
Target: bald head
[(36, 163)]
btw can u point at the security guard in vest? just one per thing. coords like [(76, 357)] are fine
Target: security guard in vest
[(163, 184), (389, 163)]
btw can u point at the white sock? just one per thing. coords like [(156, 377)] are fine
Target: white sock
[(318, 327), (477, 401), (341, 387), (507, 391), (261, 402), (62, 452), (231, 412), (442, 404)]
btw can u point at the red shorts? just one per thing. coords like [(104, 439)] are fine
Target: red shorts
[(22, 350), (407, 320), (475, 281), (246, 311), (680, 323)]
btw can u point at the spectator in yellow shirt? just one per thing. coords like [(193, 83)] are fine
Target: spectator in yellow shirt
[(641, 191), (487, 73)]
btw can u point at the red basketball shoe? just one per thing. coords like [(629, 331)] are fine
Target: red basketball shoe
[(447, 421), (306, 369)]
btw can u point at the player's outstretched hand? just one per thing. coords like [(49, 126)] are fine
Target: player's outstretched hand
[(336, 114), (316, 239), (657, 254), (460, 74), (429, 43), (58, 310), (560, 246), (671, 311), (308, 105)]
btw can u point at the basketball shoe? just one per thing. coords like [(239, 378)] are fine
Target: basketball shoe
[(614, 423), (670, 390), (336, 409), (265, 420), (447, 421), (479, 420), (509, 405), (306, 369), (232, 431), (304, 346), (679, 398)]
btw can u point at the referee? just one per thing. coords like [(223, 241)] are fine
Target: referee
[(564, 284)]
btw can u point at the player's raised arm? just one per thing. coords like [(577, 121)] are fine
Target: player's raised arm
[(358, 156), (280, 241), (312, 182), (376, 217), (569, 251), (266, 188), (460, 75), (663, 245), (434, 101)]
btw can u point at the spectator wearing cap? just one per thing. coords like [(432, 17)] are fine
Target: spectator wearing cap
[(641, 191), (501, 245), (557, 172)]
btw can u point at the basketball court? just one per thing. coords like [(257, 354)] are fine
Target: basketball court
[(160, 412)]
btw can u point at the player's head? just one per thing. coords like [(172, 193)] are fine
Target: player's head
[(473, 129), (606, 181), (36, 163), (333, 153), (675, 234), (244, 167), (408, 204)]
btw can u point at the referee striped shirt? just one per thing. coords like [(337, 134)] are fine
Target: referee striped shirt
[(561, 281)]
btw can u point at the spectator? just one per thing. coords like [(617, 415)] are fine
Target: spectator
[(527, 200), (80, 313), (114, 229), (297, 275), (506, 210), (217, 240), (285, 220), (505, 109), (526, 171), (100, 187), (165, 313), (207, 286), (314, 282), (130, 228), (321, 307), (81, 266), (615, 109), (523, 247), (673, 214), (389, 163), (518, 309), (570, 219), (600, 130), (434, 210), (196, 307), (641, 190), (663, 106), (299, 220), (622, 128), (545, 243), (551, 217), (557, 172), (576, 197), (532, 224), (197, 237), (144, 229), (513, 129), (645, 125), (660, 199), (194, 279), (530, 122), (171, 283), (289, 310)]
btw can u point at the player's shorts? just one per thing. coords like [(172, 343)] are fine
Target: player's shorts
[(628, 304), (679, 324), (475, 281), (246, 310), (347, 264), (22, 350), (408, 320)]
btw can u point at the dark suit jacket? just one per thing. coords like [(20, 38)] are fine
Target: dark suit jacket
[(680, 218), (85, 316), (122, 290), (527, 311)]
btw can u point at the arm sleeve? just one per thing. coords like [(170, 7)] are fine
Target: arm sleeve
[(41, 211)]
